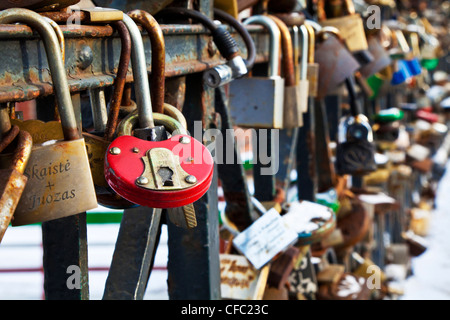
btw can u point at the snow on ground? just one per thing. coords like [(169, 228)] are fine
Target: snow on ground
[(431, 278)]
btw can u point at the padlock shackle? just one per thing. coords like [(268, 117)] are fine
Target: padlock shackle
[(60, 35), (55, 63), (305, 51), (296, 44), (140, 75), (22, 152), (126, 126), (119, 81), (312, 41), (157, 81), (274, 46), (287, 52), (355, 107), (8, 137)]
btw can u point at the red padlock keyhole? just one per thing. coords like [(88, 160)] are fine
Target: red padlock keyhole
[(159, 174)]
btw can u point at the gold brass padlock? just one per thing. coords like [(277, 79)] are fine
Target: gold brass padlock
[(59, 179), (313, 67), (351, 26)]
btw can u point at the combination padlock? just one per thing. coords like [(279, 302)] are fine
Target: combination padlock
[(158, 174)]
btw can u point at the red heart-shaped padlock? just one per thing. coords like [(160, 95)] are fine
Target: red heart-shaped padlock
[(159, 174)]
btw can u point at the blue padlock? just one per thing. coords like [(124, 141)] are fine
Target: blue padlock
[(402, 74)]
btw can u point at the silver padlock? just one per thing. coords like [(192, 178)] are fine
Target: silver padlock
[(292, 113), (260, 96)]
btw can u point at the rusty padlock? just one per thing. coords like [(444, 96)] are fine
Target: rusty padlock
[(97, 142), (12, 179), (336, 63), (58, 171)]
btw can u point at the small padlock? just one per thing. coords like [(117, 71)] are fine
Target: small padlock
[(263, 95), (355, 151), (350, 25), (292, 110), (313, 67), (162, 174), (58, 171), (336, 63), (13, 181)]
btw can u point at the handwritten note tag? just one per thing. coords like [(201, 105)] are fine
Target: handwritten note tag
[(264, 239)]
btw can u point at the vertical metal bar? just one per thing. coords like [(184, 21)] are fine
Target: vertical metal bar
[(134, 254), (65, 245), (306, 177), (239, 208), (287, 146), (265, 185), (326, 177), (193, 265)]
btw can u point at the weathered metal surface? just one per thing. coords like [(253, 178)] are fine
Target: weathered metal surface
[(152, 6), (92, 57), (38, 4)]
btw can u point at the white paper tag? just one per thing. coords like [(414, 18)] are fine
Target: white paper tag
[(303, 217), (264, 239), (379, 198)]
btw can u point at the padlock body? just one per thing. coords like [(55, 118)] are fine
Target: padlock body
[(336, 64), (58, 185), (381, 58), (313, 79), (351, 28), (139, 158), (96, 148), (355, 157), (292, 111), (263, 97)]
